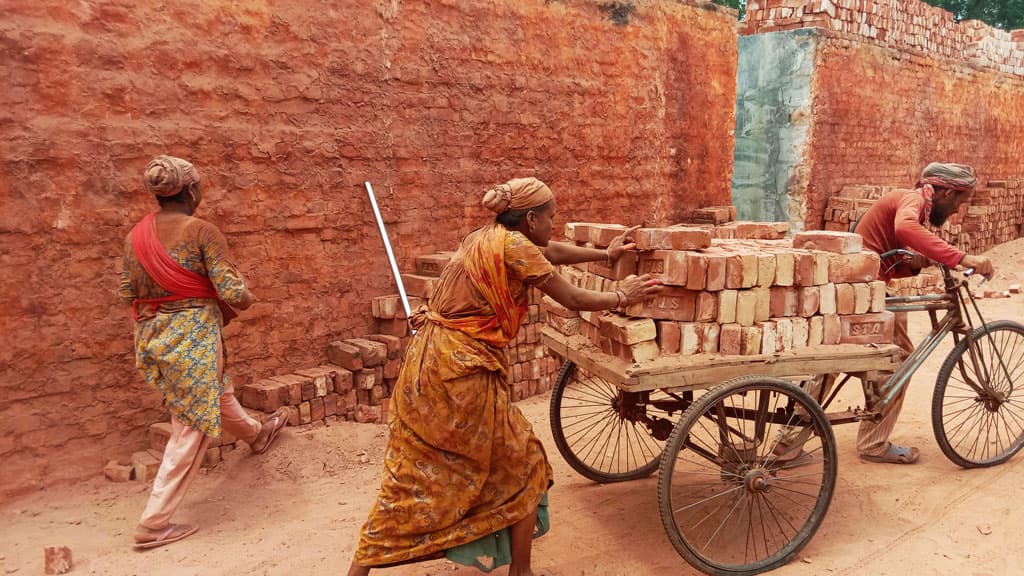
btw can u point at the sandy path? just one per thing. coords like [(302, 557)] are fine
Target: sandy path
[(298, 509)]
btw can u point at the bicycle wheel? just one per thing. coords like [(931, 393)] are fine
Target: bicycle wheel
[(731, 501), (605, 434), (978, 403)]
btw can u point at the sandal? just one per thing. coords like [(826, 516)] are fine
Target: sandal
[(276, 422), (172, 533), (894, 455)]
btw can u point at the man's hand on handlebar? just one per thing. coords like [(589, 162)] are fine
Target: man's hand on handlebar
[(980, 264)]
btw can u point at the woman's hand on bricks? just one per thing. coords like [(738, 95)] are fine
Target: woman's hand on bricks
[(981, 265), (640, 288), (621, 244)]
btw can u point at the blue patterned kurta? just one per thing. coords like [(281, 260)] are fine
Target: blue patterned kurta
[(177, 349)]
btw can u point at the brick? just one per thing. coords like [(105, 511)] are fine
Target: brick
[(707, 307), (710, 334), (211, 458), (331, 404), (727, 306), (345, 355), (769, 337), (877, 296), (801, 332), (874, 328), (601, 235), (672, 303), (372, 353), (669, 265), (1014, 289), (641, 352), (827, 299), (689, 338), (419, 286), (626, 330), (566, 326), (766, 270), (809, 298), (316, 409), (626, 265), (837, 242), (159, 434), (116, 472), (393, 344), (761, 230), (803, 268), (308, 390), (387, 307), (729, 339), (785, 263), (553, 308), (845, 298), (785, 301), (831, 330), (750, 341), (669, 337), (395, 327), (762, 303), (322, 377), (820, 268), (746, 305), (674, 238), (741, 270), (815, 330), (56, 560), (715, 273), (850, 268), (305, 414), (783, 334), (432, 264), (365, 379), (293, 415), (366, 414), (144, 466), (696, 270), (861, 298), (391, 368), (291, 386), (343, 379), (713, 215)]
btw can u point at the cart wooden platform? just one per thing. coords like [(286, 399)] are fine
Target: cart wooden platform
[(746, 468)]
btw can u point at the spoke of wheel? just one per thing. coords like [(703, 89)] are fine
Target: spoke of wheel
[(709, 499)]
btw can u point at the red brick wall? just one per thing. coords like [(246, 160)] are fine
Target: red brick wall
[(287, 109), (880, 116)]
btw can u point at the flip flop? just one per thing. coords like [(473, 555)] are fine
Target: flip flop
[(894, 455), (278, 420), (172, 533)]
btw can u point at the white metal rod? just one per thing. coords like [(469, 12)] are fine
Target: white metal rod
[(387, 246)]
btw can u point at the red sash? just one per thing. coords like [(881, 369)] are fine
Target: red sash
[(181, 282)]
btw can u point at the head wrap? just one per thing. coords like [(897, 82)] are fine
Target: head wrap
[(953, 176), (517, 194), (167, 175)]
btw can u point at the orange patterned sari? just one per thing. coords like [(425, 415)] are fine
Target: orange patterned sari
[(461, 461)]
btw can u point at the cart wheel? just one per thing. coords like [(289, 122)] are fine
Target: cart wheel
[(736, 499), (605, 434), (978, 404)]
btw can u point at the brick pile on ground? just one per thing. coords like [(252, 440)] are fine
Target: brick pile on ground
[(533, 369), (744, 295), (994, 215)]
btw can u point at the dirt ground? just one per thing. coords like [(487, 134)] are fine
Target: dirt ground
[(298, 509)]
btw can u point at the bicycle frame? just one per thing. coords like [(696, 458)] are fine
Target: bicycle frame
[(955, 321)]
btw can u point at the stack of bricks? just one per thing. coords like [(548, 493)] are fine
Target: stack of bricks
[(730, 296), (904, 24), (360, 375), (994, 215), (532, 368)]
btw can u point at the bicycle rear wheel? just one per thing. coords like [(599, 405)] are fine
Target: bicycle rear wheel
[(605, 434), (730, 502), (978, 403)]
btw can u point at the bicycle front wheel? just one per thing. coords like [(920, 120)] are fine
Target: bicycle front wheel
[(978, 403)]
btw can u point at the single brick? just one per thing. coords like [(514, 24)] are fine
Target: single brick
[(874, 328), (750, 341), (827, 298), (783, 334), (716, 270), (861, 298), (785, 301), (709, 338), (707, 307), (669, 265), (393, 343), (729, 339), (432, 264), (345, 355), (877, 296), (815, 330), (727, 306), (809, 298), (627, 330), (762, 303), (801, 332), (668, 336), (785, 263), (845, 299), (696, 270), (672, 303), (803, 268), (766, 270), (419, 286), (601, 235), (831, 329), (837, 242), (769, 337), (849, 268), (746, 304), (372, 353), (690, 338), (625, 265)]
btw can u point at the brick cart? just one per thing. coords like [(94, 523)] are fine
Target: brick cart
[(745, 451)]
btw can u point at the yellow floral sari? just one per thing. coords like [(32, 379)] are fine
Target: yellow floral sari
[(461, 461)]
